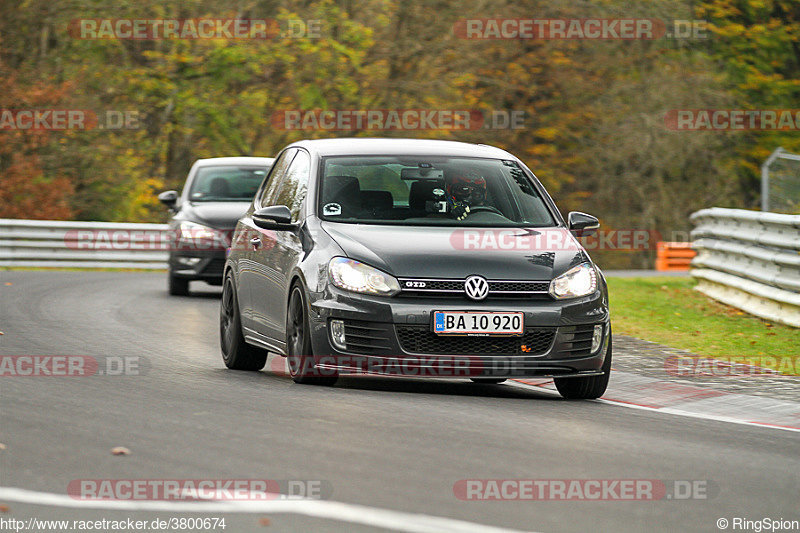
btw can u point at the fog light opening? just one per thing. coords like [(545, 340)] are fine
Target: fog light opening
[(597, 338), (337, 334), (189, 261)]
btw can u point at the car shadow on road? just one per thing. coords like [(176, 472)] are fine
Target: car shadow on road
[(440, 386), (210, 292), (444, 387)]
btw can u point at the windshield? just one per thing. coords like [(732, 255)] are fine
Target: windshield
[(425, 191), (227, 183)]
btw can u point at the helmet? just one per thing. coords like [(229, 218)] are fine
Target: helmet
[(466, 189)]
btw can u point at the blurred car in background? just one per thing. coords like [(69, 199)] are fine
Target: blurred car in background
[(216, 194)]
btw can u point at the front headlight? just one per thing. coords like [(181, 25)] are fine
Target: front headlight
[(575, 282), (191, 236), (190, 231), (358, 277)]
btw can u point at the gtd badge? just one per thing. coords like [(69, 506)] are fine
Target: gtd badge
[(415, 284), (476, 287)]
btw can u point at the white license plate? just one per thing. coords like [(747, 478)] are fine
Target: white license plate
[(477, 323)]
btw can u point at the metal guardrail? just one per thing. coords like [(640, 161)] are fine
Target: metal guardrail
[(747, 259), (51, 243), (750, 260)]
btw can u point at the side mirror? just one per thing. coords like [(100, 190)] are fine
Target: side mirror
[(581, 224), (168, 198), (275, 217)]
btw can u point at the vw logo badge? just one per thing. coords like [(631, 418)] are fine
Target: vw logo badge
[(476, 287)]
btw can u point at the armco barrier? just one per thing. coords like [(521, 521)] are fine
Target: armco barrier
[(750, 260), (50, 243)]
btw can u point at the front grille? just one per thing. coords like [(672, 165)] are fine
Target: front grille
[(454, 288), (432, 285), (518, 286), (214, 267), (576, 341), (366, 337), (421, 340)]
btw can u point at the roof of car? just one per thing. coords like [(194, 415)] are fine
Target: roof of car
[(235, 161), (376, 146)]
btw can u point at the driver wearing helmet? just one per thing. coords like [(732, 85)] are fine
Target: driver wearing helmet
[(465, 190)]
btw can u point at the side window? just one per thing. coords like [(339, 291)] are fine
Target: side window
[(294, 186), (275, 178)]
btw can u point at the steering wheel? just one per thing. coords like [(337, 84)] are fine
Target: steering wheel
[(488, 208)]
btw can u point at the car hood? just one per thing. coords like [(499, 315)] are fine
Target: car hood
[(435, 252), (220, 215)]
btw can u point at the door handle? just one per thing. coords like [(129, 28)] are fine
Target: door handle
[(256, 242)]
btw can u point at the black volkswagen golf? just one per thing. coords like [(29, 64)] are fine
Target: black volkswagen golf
[(417, 258)]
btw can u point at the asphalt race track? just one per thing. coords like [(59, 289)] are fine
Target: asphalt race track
[(385, 448)]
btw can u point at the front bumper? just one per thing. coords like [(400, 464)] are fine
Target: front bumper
[(205, 265), (393, 336)]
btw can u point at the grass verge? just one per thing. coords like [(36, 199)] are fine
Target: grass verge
[(668, 311)]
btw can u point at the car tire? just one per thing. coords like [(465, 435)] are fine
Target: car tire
[(236, 353), (590, 387), (177, 286), (298, 343), (488, 381)]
